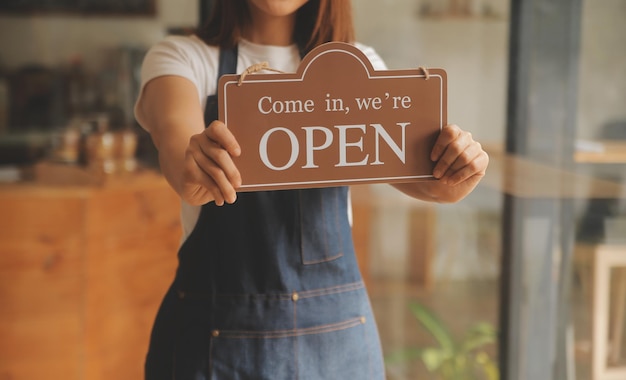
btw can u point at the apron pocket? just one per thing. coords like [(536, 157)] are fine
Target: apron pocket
[(322, 212), (314, 353)]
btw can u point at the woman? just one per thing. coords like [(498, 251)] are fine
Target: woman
[(267, 285)]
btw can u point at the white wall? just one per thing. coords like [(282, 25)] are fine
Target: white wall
[(602, 76), (473, 51)]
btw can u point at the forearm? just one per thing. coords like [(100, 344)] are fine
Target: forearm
[(436, 191), (171, 153), (170, 111)]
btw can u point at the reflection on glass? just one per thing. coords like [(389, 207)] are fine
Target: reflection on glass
[(598, 302), (430, 262)]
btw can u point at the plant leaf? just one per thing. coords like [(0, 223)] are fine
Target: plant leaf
[(404, 355), (488, 366), (433, 358), (483, 328), (480, 335), (434, 326)]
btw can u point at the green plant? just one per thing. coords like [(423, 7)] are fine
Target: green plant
[(452, 359)]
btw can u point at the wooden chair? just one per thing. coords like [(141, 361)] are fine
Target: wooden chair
[(608, 312)]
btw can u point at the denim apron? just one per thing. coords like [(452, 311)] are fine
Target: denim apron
[(267, 288)]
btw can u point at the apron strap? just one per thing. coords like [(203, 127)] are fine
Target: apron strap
[(227, 65)]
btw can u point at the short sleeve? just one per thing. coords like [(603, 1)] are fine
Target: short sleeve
[(187, 57), (166, 58)]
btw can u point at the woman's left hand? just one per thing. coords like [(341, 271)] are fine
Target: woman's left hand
[(460, 163), (458, 157)]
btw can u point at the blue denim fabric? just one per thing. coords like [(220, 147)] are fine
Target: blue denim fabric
[(268, 288)]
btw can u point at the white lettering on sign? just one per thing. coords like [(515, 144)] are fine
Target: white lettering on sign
[(295, 148), (399, 149), (400, 152), (405, 102), (310, 148), (344, 144), (364, 103), (267, 106)]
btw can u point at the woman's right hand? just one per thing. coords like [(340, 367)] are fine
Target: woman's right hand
[(209, 172), (196, 160)]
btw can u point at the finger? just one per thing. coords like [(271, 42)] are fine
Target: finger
[(476, 167), (451, 153), (464, 158), (224, 187), (222, 137), (201, 178), (448, 134), (219, 188), (218, 132), (223, 160), (211, 159)]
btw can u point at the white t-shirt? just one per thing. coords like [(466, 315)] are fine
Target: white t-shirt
[(192, 58)]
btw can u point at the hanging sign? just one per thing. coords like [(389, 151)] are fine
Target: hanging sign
[(336, 121)]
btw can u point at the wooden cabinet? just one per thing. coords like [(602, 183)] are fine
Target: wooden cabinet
[(82, 273)]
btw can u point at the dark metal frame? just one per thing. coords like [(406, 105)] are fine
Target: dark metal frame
[(538, 233), (80, 7)]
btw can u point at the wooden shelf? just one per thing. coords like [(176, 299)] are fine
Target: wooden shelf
[(525, 178), (82, 273)]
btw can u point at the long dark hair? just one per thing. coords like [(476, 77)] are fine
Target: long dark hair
[(317, 22)]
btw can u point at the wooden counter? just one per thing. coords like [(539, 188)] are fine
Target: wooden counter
[(608, 152), (82, 272), (524, 178)]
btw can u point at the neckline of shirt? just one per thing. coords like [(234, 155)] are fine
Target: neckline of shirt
[(265, 51)]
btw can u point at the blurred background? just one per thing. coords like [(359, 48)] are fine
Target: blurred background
[(524, 279)]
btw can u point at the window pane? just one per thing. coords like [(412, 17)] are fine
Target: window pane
[(443, 257), (598, 301)]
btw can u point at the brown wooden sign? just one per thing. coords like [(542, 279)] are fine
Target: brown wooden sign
[(336, 121)]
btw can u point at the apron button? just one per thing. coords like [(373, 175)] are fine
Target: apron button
[(363, 320), (181, 294), (295, 297), (215, 333)]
